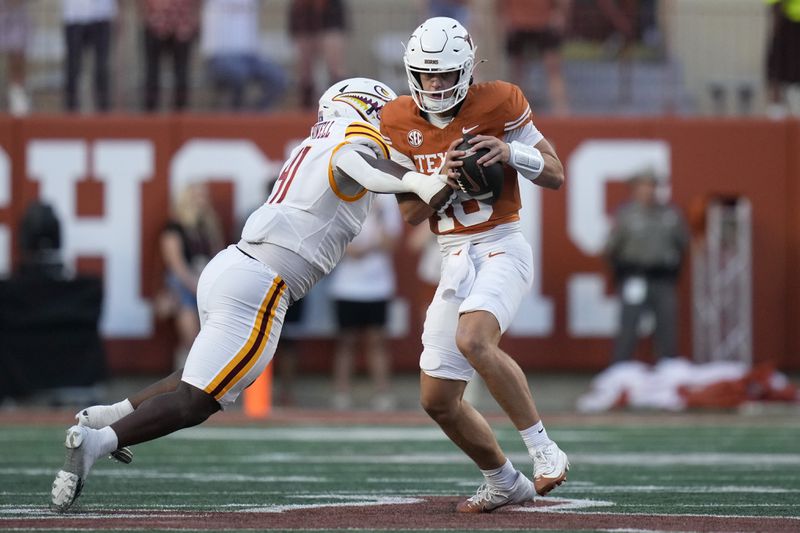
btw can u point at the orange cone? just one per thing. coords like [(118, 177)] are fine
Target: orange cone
[(258, 396)]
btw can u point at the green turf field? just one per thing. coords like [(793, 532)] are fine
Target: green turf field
[(690, 466)]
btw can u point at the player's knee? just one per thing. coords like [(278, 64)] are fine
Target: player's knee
[(441, 410), (194, 405), (476, 348)]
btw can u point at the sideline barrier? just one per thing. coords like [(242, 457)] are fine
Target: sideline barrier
[(110, 178)]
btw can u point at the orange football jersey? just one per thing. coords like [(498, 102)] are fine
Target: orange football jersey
[(492, 108)]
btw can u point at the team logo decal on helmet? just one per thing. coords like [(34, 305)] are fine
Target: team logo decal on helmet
[(364, 104), (415, 138), (360, 98)]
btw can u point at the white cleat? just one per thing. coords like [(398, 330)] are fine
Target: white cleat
[(550, 467), (100, 416), (488, 498), (68, 483)]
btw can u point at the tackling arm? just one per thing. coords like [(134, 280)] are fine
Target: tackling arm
[(414, 210), (386, 176)]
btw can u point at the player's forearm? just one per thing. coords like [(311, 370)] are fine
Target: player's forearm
[(538, 164), (552, 177), (414, 210), (385, 176)]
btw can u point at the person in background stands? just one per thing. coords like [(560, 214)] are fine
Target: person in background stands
[(192, 236), (783, 55), (455, 9), (88, 25), (230, 42), (169, 25), (646, 248), (362, 287), (318, 29), (14, 27), (538, 26)]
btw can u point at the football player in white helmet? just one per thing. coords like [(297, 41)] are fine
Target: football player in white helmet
[(439, 45), (358, 98), (316, 207), (487, 262)]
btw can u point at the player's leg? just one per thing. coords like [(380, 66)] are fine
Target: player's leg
[(380, 366), (445, 373), (503, 276), (343, 368), (187, 325), (243, 304), (158, 416), (627, 336), (98, 416), (664, 300), (165, 413), (443, 400), (477, 337)]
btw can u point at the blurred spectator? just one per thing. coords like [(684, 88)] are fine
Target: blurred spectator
[(40, 243), (318, 30), (454, 9), (622, 15), (191, 237), (537, 26), (49, 318), (286, 355), (646, 248), (783, 56), (87, 24), (14, 27), (362, 286), (169, 26), (230, 43), (423, 241)]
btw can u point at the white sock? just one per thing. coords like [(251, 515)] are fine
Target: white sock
[(96, 444), (535, 437), (107, 440), (123, 408), (503, 478), (98, 416)]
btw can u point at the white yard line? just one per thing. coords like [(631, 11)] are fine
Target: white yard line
[(357, 434), (746, 461)]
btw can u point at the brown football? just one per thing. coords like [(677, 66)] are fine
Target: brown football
[(480, 182)]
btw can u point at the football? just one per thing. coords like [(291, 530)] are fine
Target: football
[(480, 182)]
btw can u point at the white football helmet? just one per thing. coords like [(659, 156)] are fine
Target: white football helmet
[(360, 98), (439, 44)]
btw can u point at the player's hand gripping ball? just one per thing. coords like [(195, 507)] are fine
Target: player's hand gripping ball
[(480, 182)]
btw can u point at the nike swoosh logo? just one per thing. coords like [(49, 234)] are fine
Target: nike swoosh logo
[(467, 130), (492, 254)]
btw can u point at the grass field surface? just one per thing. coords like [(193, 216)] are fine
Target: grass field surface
[(659, 473)]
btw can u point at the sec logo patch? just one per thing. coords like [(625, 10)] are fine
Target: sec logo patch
[(415, 138)]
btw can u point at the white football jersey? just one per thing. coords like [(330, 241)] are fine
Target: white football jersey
[(313, 210)]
